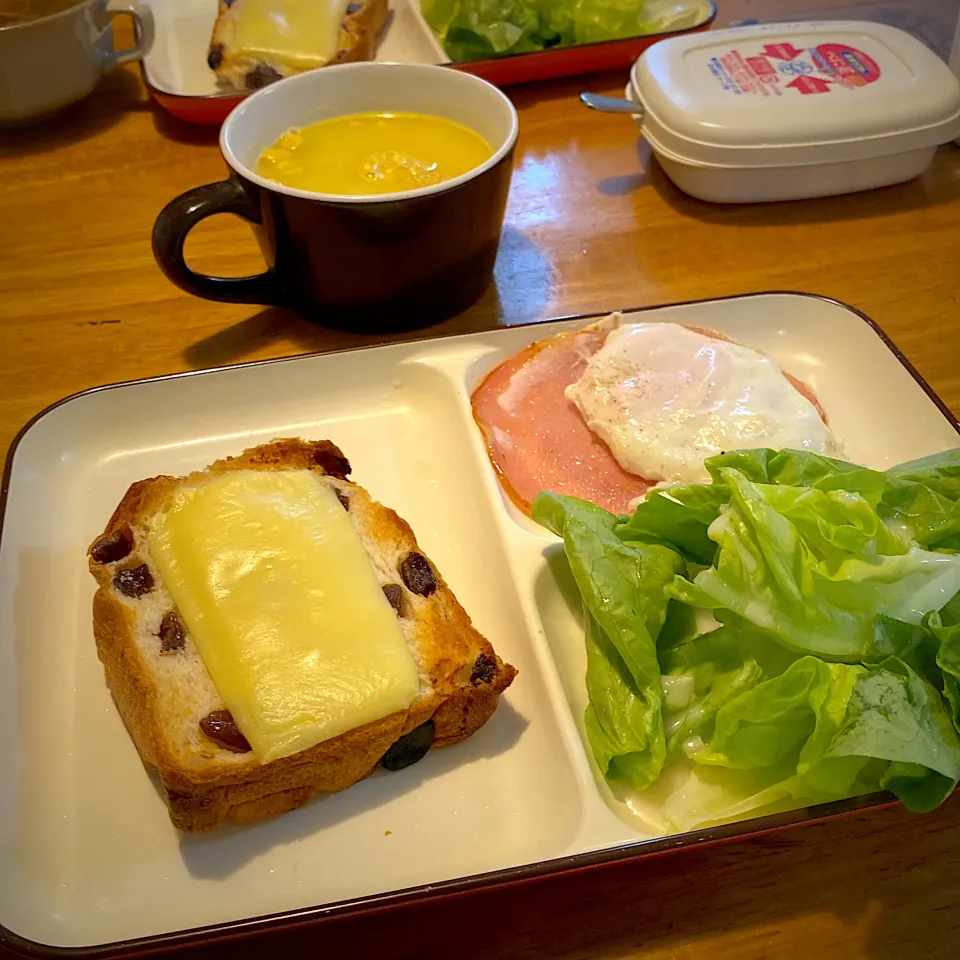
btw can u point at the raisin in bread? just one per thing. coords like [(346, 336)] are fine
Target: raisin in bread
[(171, 706)]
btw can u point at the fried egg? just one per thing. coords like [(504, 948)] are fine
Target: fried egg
[(664, 398)]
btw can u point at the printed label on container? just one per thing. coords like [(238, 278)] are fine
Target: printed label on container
[(779, 69)]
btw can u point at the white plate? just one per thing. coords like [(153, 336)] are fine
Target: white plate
[(87, 853), (177, 63)]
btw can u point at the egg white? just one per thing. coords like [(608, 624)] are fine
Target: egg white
[(664, 398)]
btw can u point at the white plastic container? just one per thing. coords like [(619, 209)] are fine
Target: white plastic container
[(786, 111)]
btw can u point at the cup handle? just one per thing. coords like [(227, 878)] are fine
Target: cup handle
[(181, 215), (143, 17)]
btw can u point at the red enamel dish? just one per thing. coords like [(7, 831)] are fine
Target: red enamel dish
[(179, 80)]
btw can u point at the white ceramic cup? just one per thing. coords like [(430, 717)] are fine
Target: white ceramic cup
[(54, 61)]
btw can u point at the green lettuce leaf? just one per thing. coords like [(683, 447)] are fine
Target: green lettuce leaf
[(913, 643), (478, 29), (800, 468), (835, 524), (948, 660), (841, 722), (939, 472), (835, 667), (931, 649), (812, 568), (894, 715), (621, 719), (793, 712), (594, 21), (481, 29), (679, 518), (951, 693), (948, 656), (680, 626), (700, 676), (922, 495), (624, 597), (949, 615)]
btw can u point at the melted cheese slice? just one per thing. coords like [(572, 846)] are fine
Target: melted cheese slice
[(299, 33), (283, 603)]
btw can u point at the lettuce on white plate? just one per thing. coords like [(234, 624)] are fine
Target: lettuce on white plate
[(831, 665), (813, 568), (625, 606)]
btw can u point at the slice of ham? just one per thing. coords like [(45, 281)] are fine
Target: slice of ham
[(536, 437)]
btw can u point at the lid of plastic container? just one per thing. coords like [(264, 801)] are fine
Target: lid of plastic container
[(795, 93)]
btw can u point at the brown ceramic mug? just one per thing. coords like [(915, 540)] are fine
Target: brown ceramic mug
[(396, 260)]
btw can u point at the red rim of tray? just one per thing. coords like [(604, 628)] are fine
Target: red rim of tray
[(571, 61), (532, 67), (300, 919)]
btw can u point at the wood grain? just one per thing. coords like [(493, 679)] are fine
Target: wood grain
[(592, 225)]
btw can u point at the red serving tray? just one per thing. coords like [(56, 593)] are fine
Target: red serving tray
[(177, 78), (571, 61)]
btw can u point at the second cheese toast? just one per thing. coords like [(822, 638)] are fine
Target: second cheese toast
[(257, 42)]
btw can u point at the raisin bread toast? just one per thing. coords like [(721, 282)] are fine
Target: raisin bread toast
[(171, 706), (360, 26)]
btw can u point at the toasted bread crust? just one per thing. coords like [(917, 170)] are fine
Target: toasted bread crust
[(205, 784), (356, 40)]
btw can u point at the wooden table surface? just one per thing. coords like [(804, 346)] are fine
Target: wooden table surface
[(592, 225)]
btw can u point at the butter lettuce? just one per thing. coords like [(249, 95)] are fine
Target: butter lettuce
[(813, 568), (799, 468), (923, 496), (480, 29), (930, 648), (845, 729), (914, 643), (939, 472), (625, 606), (835, 729), (948, 659), (702, 675), (678, 517), (789, 632)]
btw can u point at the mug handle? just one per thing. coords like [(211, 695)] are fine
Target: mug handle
[(143, 17), (181, 215)]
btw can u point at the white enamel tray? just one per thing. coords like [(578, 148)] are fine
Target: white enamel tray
[(89, 862)]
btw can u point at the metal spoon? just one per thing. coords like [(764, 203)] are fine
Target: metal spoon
[(597, 101)]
